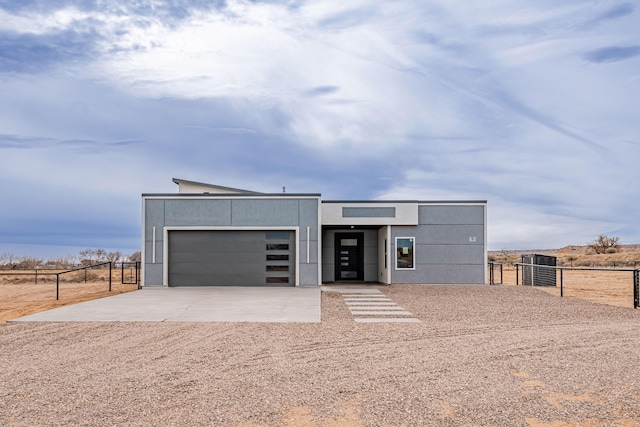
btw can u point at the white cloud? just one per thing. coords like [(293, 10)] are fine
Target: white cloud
[(449, 100), (41, 23), (266, 54), (514, 226)]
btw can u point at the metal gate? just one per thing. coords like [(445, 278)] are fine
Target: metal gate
[(130, 273), (493, 277)]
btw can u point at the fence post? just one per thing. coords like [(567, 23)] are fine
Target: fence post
[(534, 273), (517, 267), (110, 265), (561, 284), (36, 276), (636, 288), (57, 285), (490, 273)]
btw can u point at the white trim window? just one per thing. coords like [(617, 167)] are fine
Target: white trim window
[(405, 253)]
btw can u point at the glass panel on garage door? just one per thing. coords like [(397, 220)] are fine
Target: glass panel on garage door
[(231, 258)]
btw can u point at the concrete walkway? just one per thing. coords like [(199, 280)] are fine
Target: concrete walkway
[(193, 304), (370, 305)]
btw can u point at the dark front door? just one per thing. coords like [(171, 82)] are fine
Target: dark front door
[(349, 256)]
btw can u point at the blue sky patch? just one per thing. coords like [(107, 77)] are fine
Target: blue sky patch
[(439, 100)]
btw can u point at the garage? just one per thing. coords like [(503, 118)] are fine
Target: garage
[(231, 258)]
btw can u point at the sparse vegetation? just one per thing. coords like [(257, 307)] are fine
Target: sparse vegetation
[(9, 261), (604, 244), (622, 256)]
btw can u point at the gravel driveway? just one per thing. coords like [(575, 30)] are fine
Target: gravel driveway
[(482, 356)]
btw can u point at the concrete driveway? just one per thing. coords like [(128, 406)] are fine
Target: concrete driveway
[(193, 304)]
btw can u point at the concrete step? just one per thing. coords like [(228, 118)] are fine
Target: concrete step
[(387, 320), (382, 313), (372, 306), (371, 303)]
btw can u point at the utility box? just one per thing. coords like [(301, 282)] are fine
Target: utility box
[(532, 275)]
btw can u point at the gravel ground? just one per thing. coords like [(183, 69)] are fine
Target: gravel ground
[(482, 356)]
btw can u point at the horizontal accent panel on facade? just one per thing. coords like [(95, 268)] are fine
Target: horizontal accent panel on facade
[(454, 214), (198, 212), (363, 213), (264, 212), (371, 212)]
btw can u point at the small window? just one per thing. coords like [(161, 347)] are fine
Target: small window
[(277, 257), (385, 254), (348, 274), (348, 242), (277, 235), (277, 268), (277, 280), (405, 253), (277, 246)]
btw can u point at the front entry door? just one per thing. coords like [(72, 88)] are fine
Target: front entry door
[(349, 256)]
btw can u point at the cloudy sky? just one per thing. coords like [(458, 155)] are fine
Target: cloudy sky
[(532, 105)]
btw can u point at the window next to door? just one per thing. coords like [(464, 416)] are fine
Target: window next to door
[(405, 255)]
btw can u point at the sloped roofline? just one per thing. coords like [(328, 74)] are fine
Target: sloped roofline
[(213, 186)]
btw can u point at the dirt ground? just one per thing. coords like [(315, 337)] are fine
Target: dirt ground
[(604, 287), (482, 356), (21, 299), (19, 296)]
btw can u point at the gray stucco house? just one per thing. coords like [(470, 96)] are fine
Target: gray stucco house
[(209, 235)]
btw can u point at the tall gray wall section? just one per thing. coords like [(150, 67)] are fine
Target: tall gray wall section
[(225, 211), (445, 250)]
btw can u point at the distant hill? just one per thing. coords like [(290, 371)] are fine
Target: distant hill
[(570, 253)]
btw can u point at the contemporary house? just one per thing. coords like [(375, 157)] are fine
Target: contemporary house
[(209, 235)]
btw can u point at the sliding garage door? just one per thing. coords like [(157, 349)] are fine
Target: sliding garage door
[(231, 258)]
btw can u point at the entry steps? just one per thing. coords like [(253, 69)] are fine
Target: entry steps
[(372, 306)]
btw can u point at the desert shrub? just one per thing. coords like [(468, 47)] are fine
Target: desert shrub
[(79, 276), (61, 262), (612, 250), (603, 243)]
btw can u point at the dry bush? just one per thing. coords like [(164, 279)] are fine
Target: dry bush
[(603, 243)]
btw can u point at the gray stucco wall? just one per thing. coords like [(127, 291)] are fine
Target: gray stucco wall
[(218, 211), (449, 246)]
